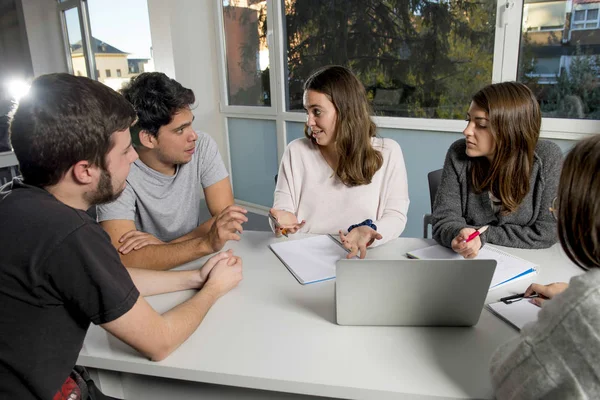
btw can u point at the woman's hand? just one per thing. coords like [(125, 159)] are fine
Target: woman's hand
[(466, 249), (358, 239), (545, 292), (287, 221)]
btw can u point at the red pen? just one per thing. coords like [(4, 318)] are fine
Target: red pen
[(476, 233)]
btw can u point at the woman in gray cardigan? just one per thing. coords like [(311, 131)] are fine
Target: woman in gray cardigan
[(499, 176), (558, 356)]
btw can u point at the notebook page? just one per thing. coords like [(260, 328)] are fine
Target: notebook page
[(310, 260), (508, 268), (517, 314)]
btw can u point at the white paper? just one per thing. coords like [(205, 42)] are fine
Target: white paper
[(312, 259), (517, 313)]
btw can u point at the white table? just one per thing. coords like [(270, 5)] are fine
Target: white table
[(273, 334)]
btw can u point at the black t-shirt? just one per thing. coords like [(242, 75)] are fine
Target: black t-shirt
[(58, 272)]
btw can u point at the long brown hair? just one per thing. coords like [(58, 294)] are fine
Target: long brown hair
[(514, 122), (579, 204), (358, 160)]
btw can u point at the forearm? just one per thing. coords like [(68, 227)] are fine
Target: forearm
[(167, 256), (541, 235), (150, 282), (183, 320), (200, 231), (390, 226), (444, 230)]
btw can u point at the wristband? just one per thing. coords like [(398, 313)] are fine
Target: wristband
[(366, 222)]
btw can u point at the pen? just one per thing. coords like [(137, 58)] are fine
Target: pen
[(278, 225), (476, 233), (517, 297)]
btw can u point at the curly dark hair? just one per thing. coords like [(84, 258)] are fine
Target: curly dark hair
[(155, 98), (65, 119)]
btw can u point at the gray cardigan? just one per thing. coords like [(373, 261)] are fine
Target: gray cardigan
[(558, 356), (531, 226)]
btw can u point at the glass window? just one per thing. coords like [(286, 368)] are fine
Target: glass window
[(126, 50), (415, 58), (78, 60), (247, 53), (561, 66)]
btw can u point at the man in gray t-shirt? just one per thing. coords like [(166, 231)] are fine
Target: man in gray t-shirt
[(156, 222)]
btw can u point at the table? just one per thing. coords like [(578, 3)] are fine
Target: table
[(277, 336)]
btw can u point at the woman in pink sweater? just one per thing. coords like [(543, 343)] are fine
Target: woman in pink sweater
[(341, 178)]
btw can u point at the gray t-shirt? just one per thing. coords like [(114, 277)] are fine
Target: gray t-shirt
[(166, 206)]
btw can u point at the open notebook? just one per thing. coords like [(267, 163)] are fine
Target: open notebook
[(312, 259), (517, 313), (509, 268)]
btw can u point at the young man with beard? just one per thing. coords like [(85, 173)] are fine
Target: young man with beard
[(156, 223), (58, 270)]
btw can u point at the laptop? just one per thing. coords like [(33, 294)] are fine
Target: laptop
[(411, 292)]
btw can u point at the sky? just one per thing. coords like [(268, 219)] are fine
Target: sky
[(120, 23)]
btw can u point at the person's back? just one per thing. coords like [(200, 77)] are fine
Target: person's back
[(47, 300), (558, 356)]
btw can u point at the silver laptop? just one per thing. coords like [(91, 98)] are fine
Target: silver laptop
[(411, 292)]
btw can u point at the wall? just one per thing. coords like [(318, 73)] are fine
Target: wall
[(190, 24), (45, 36)]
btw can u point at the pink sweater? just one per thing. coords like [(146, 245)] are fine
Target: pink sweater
[(307, 187)]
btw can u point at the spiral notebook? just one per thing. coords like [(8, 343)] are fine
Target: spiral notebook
[(312, 259), (509, 268)]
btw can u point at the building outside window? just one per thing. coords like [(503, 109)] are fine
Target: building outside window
[(107, 71)]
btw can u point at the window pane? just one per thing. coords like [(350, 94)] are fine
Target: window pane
[(74, 36), (416, 58), (247, 53), (561, 66), (592, 15), (124, 52)]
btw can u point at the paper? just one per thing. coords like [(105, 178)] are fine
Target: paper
[(509, 268), (517, 313), (310, 260)]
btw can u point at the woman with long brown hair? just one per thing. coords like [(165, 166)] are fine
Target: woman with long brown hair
[(341, 178), (500, 176), (558, 356)]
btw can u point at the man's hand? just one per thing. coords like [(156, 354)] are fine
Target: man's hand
[(227, 226), (224, 276), (358, 239), (208, 266), (135, 240), (466, 249), (287, 221), (545, 292)]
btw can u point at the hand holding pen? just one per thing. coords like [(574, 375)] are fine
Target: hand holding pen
[(284, 222), (468, 242), (544, 292)]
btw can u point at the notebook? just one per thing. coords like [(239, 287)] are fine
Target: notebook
[(509, 268), (312, 259), (517, 313)]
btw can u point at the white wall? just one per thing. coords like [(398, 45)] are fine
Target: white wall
[(188, 28), (45, 36)]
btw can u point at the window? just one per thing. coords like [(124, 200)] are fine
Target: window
[(98, 46), (585, 18), (561, 67), (416, 59), (420, 61), (247, 55)]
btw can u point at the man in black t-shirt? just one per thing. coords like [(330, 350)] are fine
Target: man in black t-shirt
[(58, 269)]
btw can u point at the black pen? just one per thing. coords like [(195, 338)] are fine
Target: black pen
[(517, 297)]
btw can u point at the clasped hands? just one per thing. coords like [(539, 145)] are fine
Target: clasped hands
[(356, 241)]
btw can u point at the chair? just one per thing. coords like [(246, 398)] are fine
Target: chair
[(434, 178)]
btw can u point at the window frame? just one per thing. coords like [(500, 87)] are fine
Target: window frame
[(86, 35), (505, 63), (585, 8)]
